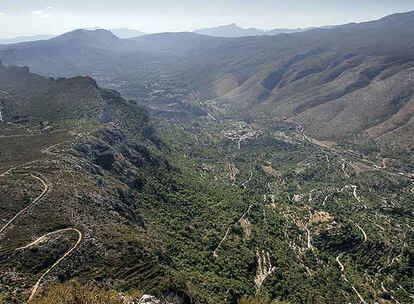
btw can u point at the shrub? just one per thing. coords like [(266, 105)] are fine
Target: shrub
[(74, 292), (264, 299)]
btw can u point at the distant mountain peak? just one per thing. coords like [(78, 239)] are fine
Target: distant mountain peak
[(126, 33), (229, 30), (88, 36)]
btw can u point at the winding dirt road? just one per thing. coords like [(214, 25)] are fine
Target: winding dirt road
[(36, 200), (46, 187), (247, 181), (363, 232), (342, 267), (228, 231), (80, 237), (221, 242)]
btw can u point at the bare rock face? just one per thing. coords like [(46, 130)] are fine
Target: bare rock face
[(144, 299), (321, 217), (149, 300), (264, 268), (297, 198)]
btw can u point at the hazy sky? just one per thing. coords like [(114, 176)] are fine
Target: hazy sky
[(29, 17)]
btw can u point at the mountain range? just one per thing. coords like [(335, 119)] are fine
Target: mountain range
[(320, 78), (233, 30), (123, 33)]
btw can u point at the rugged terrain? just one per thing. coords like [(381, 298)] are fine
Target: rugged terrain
[(272, 167), (76, 168), (100, 194)]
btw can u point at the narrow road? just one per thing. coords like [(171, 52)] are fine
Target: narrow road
[(80, 237), (310, 199), (342, 267), (250, 178), (210, 115), (396, 258), (343, 170), (403, 289), (363, 232), (16, 167), (228, 231), (354, 192), (390, 294), (46, 187), (221, 242), (330, 194), (49, 149), (354, 188), (359, 296), (356, 195), (37, 199)]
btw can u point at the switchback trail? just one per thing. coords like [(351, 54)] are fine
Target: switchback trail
[(37, 199), (80, 237), (16, 167), (342, 267), (46, 187)]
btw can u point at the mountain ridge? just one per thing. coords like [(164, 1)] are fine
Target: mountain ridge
[(234, 31)]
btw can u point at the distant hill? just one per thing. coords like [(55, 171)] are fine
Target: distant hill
[(123, 33), (233, 30), (126, 33), (99, 37), (25, 39), (70, 54), (278, 31)]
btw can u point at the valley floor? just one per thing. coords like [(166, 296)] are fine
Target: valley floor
[(292, 217)]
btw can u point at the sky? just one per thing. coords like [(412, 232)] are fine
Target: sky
[(33, 17)]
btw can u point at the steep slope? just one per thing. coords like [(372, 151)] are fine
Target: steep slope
[(75, 171), (19, 81), (339, 82)]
